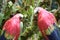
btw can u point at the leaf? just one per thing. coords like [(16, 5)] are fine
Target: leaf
[(1, 17)]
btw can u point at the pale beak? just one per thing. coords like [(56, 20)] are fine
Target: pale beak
[(35, 10)]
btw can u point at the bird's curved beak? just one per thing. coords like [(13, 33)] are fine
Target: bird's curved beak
[(35, 10)]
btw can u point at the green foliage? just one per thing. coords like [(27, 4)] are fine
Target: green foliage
[(1, 18)]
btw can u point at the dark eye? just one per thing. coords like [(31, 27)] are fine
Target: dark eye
[(37, 12), (20, 17), (11, 15)]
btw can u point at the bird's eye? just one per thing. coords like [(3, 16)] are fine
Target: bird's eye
[(37, 12), (12, 15), (21, 19)]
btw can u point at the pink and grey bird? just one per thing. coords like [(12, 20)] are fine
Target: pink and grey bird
[(12, 26), (47, 24)]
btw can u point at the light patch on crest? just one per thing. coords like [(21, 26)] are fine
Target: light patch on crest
[(19, 14), (37, 9)]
